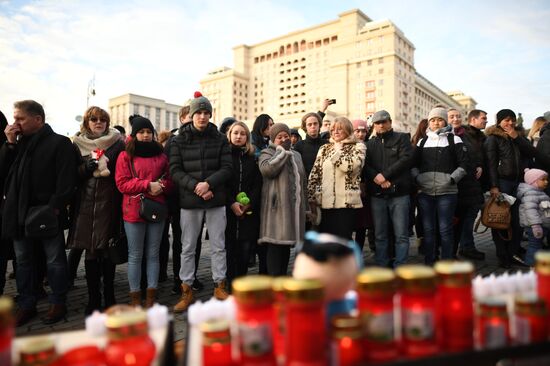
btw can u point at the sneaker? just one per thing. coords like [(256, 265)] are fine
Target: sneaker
[(220, 292), (185, 300), (197, 285), (471, 253), (518, 261), (176, 288)]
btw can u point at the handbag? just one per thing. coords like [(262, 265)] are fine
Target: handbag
[(496, 214), (41, 222), (150, 210), (117, 249)]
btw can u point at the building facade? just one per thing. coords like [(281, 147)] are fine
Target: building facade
[(365, 65), (164, 116)]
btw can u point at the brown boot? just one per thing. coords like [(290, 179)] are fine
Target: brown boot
[(185, 300), (55, 314), (151, 297), (220, 292), (135, 298)]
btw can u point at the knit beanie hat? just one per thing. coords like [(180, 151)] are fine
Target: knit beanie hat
[(546, 116), (276, 128), (438, 112), (359, 124), (138, 123), (505, 113), (199, 103), (532, 175)]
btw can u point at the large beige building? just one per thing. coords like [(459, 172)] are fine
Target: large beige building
[(164, 116), (365, 65)]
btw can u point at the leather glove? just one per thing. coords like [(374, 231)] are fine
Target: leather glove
[(537, 231), (91, 165)]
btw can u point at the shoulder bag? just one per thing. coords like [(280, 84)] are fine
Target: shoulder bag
[(150, 210)]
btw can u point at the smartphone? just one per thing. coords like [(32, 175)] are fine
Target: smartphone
[(332, 101)]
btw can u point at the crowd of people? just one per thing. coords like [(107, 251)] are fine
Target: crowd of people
[(256, 192)]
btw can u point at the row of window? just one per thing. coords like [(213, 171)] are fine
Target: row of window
[(295, 48)]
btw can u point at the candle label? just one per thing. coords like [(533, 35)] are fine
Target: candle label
[(523, 330), (378, 327), (495, 336), (418, 325), (255, 340)]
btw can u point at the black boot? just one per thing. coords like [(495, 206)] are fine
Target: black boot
[(108, 269), (93, 278)]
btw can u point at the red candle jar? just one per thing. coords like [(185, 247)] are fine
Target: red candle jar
[(128, 339), (376, 290), (255, 319), (347, 341), (38, 352), (279, 318), (306, 340), (530, 320), (83, 356), (492, 328), (216, 343), (542, 268), (6, 330), (455, 305), (417, 287)]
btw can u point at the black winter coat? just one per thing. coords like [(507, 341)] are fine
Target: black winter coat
[(470, 189), (391, 154), (96, 212), (543, 148), (41, 170), (200, 156), (246, 178), (308, 149)]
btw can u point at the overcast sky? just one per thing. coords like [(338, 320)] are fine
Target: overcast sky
[(495, 51)]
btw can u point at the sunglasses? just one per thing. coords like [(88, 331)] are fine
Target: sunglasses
[(95, 120)]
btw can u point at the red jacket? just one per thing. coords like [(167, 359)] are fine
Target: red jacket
[(147, 170)]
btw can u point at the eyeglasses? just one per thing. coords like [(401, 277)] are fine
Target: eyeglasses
[(98, 120)]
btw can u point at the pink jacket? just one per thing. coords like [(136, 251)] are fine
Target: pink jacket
[(147, 170)]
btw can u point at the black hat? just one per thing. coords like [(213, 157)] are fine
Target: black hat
[(505, 113), (138, 123), (226, 123)]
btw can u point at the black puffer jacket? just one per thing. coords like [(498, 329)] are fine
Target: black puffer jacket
[(308, 149), (246, 178), (391, 154), (470, 189), (543, 148), (200, 156), (507, 158)]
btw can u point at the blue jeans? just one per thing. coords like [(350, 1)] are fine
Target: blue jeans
[(398, 210), (441, 208), (56, 262), (467, 226), (143, 237), (533, 246)]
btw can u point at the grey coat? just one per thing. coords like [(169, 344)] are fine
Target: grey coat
[(534, 207), (284, 202)]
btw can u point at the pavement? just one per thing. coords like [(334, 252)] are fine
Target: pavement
[(77, 297)]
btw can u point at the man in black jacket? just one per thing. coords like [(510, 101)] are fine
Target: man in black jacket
[(388, 162), (201, 165), (308, 148), (40, 170)]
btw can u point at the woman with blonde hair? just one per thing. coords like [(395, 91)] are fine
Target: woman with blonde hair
[(96, 213), (334, 180), (243, 215), (534, 132)]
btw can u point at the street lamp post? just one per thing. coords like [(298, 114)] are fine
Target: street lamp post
[(90, 92)]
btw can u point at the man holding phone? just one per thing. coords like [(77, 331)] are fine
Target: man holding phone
[(39, 168)]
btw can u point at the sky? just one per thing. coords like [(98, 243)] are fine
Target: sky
[(498, 52)]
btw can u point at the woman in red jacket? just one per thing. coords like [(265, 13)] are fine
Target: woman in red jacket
[(142, 170)]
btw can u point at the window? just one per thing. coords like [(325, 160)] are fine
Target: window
[(136, 109), (147, 112)]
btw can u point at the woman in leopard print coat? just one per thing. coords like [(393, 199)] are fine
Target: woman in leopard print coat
[(334, 180)]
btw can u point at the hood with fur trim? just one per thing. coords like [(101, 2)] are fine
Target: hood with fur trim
[(499, 132)]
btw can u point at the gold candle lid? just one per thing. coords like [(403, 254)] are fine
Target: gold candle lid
[(215, 331), (39, 351), (253, 289), (376, 279), (6, 311), (542, 262), (416, 278), (492, 307), (346, 326), (278, 283), (453, 273), (126, 318), (303, 290), (529, 305)]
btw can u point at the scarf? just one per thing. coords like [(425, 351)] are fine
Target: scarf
[(88, 143), (148, 149)]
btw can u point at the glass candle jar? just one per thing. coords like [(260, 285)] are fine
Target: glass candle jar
[(216, 343), (530, 321), (455, 305), (542, 268), (347, 341), (255, 319), (83, 356), (376, 289), (492, 327), (279, 318), (6, 330), (128, 339), (38, 352), (306, 340), (417, 287)]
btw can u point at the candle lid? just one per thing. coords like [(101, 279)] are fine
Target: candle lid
[(529, 305), (492, 306), (454, 273), (215, 331), (126, 318), (6, 304), (542, 261), (303, 290), (37, 345), (416, 277), (278, 283), (375, 279), (253, 289), (346, 326)]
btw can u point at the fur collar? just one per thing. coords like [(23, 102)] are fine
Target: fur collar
[(496, 131), (86, 145)]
